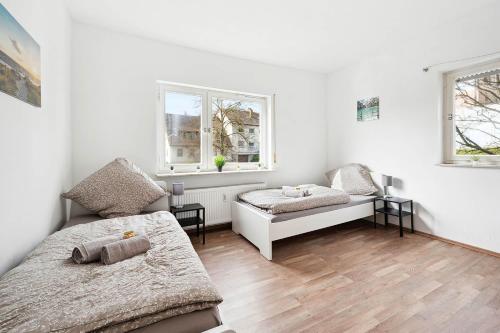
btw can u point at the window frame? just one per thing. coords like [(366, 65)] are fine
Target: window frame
[(162, 165), (266, 134), (448, 119)]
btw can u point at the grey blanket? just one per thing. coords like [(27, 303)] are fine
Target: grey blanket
[(274, 202), (47, 292)]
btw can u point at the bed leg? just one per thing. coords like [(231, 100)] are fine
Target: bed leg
[(234, 227), (267, 251)]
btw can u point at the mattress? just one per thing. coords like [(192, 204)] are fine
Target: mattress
[(355, 201), (194, 322)]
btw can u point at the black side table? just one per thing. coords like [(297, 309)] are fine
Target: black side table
[(386, 210), (189, 221)]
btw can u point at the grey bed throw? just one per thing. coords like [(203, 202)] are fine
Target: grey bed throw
[(274, 202), (47, 292)]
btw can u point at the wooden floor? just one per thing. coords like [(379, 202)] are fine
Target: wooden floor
[(352, 278)]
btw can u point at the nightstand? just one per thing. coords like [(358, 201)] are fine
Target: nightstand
[(387, 210), (190, 221)]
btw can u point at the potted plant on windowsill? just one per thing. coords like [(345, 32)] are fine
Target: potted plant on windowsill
[(475, 160), (219, 161)]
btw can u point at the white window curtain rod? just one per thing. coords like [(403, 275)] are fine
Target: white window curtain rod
[(426, 69)]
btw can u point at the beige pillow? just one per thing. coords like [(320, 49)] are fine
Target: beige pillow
[(118, 189), (353, 179)]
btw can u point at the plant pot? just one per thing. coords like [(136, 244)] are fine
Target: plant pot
[(219, 168)]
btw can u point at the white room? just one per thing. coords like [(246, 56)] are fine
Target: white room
[(264, 166)]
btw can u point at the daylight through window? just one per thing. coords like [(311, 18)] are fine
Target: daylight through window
[(198, 124), (473, 113)]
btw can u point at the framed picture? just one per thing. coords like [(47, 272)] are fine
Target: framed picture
[(368, 109), (20, 74)]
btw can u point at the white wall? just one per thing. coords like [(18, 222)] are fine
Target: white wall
[(35, 143), (456, 203), (114, 101)]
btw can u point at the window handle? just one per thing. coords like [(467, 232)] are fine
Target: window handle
[(450, 116), (207, 130)]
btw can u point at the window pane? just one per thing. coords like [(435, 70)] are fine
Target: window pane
[(477, 114), (235, 124), (183, 124)]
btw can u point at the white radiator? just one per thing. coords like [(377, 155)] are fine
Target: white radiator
[(216, 200)]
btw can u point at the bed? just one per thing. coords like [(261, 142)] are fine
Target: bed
[(166, 289), (196, 321), (261, 228)]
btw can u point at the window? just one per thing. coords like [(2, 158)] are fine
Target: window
[(183, 120), (472, 114), (203, 122)]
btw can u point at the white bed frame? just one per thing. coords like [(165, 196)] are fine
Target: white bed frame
[(257, 227)]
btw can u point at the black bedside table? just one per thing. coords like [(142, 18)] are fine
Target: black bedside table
[(386, 210), (189, 221)]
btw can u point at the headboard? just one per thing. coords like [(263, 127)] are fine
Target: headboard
[(161, 204)]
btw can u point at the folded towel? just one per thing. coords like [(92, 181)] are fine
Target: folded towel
[(91, 251), (124, 249), (294, 192)]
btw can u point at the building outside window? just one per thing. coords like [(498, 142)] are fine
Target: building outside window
[(200, 123)]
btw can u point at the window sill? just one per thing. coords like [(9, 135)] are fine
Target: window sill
[(470, 166), (203, 173)]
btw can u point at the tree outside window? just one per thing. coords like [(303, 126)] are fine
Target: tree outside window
[(230, 120), (477, 114)]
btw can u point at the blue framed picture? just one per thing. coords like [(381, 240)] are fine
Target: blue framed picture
[(368, 109)]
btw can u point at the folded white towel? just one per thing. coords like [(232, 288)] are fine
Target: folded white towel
[(294, 192)]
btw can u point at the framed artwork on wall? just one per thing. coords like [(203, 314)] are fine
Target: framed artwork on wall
[(20, 74), (368, 109)]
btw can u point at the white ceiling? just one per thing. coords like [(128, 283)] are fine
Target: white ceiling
[(317, 35)]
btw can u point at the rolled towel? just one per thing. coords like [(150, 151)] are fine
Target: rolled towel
[(124, 249), (91, 251)]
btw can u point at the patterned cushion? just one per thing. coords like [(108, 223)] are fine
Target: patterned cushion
[(353, 179), (118, 189)]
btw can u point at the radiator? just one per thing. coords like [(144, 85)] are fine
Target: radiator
[(216, 200)]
